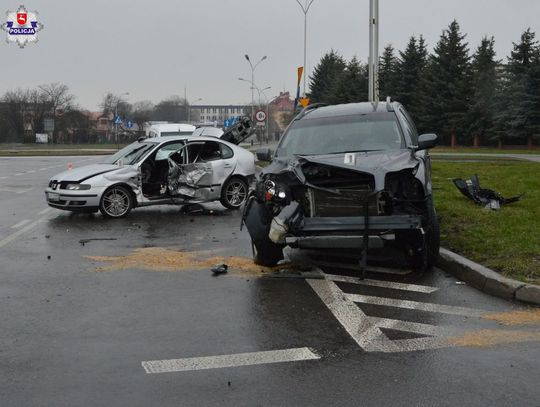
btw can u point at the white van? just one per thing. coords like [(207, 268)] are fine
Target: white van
[(170, 129)]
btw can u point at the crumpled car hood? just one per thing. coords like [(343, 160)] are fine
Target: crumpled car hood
[(371, 162), (377, 163), (88, 171)]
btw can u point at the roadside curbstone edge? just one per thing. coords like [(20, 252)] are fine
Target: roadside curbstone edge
[(487, 280)]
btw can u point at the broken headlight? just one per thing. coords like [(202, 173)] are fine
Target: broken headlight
[(404, 185), (77, 187), (273, 191)]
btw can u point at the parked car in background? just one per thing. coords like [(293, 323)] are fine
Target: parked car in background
[(170, 129), (351, 176), (172, 170)]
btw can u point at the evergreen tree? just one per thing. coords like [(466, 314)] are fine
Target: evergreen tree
[(325, 75), (481, 115), (409, 70), (445, 87), (387, 73), (520, 108), (352, 85)]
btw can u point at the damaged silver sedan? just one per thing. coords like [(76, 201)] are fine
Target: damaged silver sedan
[(354, 176), (160, 171)]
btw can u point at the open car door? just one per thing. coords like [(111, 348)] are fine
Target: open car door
[(239, 131)]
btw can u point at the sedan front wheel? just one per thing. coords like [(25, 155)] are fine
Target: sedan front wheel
[(234, 193), (116, 202)]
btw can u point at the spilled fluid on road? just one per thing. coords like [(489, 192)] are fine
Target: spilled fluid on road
[(166, 259)]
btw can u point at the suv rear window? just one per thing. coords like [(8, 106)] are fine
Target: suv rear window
[(340, 134)]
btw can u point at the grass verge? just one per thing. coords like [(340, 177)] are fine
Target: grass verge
[(485, 150), (31, 150), (508, 240)]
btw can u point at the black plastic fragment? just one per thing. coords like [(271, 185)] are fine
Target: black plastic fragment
[(481, 196)]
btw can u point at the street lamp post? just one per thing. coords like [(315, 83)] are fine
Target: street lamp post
[(115, 116), (305, 8), (189, 109), (373, 51), (253, 67)]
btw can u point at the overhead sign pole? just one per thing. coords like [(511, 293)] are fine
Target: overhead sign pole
[(373, 60)]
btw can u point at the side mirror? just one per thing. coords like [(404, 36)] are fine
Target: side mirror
[(426, 141), (264, 154)]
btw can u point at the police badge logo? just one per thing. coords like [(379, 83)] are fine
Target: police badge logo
[(22, 26)]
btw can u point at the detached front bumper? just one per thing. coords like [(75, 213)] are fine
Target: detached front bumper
[(79, 201), (350, 232)]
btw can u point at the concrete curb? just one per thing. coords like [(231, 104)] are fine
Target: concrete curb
[(487, 280)]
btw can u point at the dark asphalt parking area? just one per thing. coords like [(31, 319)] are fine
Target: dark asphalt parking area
[(81, 320)]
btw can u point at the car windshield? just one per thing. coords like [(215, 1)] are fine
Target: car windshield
[(130, 154), (340, 134)]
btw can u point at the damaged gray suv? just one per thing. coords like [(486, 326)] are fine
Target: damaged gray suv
[(353, 176)]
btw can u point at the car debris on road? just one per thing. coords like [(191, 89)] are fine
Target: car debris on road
[(488, 198)]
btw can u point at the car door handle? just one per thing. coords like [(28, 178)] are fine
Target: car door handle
[(228, 165)]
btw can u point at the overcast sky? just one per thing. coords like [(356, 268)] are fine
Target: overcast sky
[(153, 49)]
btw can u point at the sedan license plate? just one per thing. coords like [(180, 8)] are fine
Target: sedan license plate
[(53, 196)]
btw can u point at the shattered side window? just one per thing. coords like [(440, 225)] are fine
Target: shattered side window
[(166, 150), (204, 152)]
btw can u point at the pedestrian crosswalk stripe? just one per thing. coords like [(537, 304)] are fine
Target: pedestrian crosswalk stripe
[(382, 284)]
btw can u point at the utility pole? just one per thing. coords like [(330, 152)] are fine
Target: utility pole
[(373, 61), (189, 108), (305, 8)]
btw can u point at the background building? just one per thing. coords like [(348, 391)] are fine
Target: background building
[(216, 113)]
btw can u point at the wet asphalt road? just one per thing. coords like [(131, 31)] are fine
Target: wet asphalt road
[(72, 335)]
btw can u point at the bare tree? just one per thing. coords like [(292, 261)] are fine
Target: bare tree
[(172, 109), (57, 94), (142, 112), (15, 103), (58, 99), (108, 105)]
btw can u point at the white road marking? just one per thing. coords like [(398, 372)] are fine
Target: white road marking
[(368, 331), (15, 190), (19, 173), (21, 223), (382, 284), (30, 172), (408, 326), (3, 177), (420, 306), (44, 211), (355, 322), (15, 235), (234, 360), (355, 267)]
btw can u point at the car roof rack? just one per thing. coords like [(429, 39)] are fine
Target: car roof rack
[(389, 106), (309, 108)]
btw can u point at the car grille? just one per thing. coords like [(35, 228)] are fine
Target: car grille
[(350, 202), (54, 184)]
